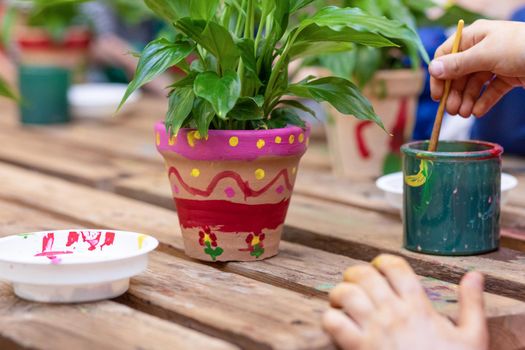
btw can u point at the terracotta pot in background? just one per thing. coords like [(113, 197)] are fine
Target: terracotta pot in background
[(37, 48), (360, 149), (232, 190)]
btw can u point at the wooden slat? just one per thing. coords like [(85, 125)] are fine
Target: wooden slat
[(101, 325), (362, 234), (309, 271)]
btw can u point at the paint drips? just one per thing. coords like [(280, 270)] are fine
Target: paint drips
[(419, 179)]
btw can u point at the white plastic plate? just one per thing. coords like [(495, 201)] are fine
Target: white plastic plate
[(70, 266), (392, 186), (98, 100)]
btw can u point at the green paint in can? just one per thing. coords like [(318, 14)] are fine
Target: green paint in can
[(451, 198)]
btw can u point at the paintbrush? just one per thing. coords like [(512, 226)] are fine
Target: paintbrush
[(441, 110)]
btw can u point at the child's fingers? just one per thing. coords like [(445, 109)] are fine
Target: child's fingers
[(456, 94), (372, 282), (472, 92), (457, 65), (401, 277), (492, 94), (471, 305), (353, 301), (470, 36), (344, 331), (437, 86)]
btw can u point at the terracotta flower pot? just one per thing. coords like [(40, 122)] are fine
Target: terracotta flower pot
[(37, 48), (232, 189), (361, 150)]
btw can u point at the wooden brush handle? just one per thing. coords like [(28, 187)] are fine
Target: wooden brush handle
[(432, 147)]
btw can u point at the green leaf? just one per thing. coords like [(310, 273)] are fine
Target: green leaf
[(222, 93), (180, 106), (305, 48), (341, 64), (203, 9), (214, 38), (282, 117), (298, 105), (299, 4), (6, 91), (337, 18), (169, 9), (156, 57), (341, 94), (368, 60), (246, 109), (203, 114), (247, 50)]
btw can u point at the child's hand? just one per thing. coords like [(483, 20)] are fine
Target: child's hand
[(493, 53), (385, 307)]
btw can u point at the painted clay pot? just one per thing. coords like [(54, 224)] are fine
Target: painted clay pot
[(361, 150), (451, 200), (37, 48), (232, 189)]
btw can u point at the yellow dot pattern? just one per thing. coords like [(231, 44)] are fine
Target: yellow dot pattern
[(301, 138), (291, 139), (259, 174), (158, 139), (195, 172), (234, 141), (172, 140), (278, 139), (260, 143)]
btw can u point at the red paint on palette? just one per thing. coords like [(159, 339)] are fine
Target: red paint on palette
[(231, 217), (92, 238), (108, 240), (72, 238), (47, 247), (243, 185)]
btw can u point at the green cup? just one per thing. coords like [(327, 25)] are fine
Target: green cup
[(43, 93), (451, 198)]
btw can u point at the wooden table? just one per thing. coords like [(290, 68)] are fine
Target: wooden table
[(108, 175)]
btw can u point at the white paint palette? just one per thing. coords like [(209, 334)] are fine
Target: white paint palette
[(70, 266), (392, 186)]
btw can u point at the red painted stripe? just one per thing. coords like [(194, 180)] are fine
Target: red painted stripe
[(243, 185), (361, 145), (230, 217)]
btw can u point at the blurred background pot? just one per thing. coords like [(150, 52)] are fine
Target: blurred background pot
[(232, 189), (43, 92), (451, 200), (38, 48), (361, 150)]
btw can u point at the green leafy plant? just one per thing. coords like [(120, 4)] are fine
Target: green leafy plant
[(363, 62), (6, 91), (239, 79)]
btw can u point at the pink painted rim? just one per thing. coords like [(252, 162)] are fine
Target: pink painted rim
[(234, 144)]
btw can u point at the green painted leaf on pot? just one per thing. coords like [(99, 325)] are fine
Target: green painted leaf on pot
[(340, 93), (222, 93), (180, 106), (156, 58)]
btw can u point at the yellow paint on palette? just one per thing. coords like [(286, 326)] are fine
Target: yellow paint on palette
[(301, 138), (259, 174), (278, 139), (291, 139), (195, 172), (158, 139), (260, 143), (234, 141), (256, 240), (140, 239)]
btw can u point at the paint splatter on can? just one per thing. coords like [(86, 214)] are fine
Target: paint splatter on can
[(451, 200)]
